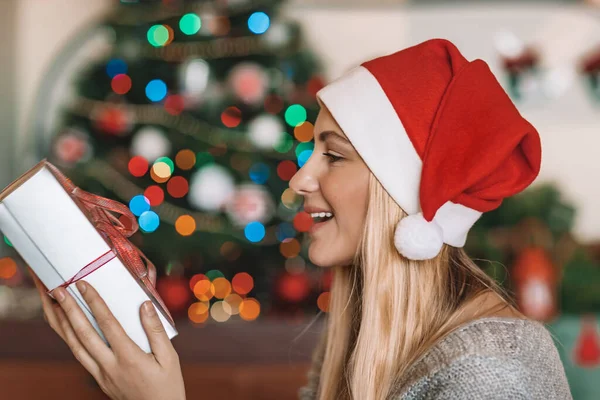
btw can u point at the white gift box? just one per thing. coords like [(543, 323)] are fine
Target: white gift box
[(53, 234)]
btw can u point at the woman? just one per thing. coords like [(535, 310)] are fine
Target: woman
[(410, 150)]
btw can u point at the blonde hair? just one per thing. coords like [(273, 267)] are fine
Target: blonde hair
[(385, 311)]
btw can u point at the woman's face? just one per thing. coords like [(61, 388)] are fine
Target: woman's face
[(334, 180)]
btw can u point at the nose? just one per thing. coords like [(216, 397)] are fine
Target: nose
[(305, 181)]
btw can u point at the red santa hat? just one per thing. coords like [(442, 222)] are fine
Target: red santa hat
[(440, 134)]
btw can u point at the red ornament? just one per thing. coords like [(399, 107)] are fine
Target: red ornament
[(293, 287), (112, 120), (175, 292), (71, 148), (586, 352), (535, 280), (303, 221)]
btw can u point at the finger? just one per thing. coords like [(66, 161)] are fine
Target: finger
[(120, 342), (157, 336), (83, 329), (78, 350), (152, 274)]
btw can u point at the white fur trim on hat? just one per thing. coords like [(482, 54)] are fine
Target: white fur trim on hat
[(418, 239), (360, 106)]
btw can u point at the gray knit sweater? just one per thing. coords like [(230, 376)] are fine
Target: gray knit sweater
[(489, 358)]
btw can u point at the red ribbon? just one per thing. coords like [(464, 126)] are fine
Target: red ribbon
[(99, 210)]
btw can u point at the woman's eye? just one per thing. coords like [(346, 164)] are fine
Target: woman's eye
[(332, 158)]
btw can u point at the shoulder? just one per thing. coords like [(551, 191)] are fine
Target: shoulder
[(490, 358)]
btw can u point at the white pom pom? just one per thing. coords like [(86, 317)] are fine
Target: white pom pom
[(417, 239)]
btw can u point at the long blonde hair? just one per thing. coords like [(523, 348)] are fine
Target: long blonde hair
[(385, 311)]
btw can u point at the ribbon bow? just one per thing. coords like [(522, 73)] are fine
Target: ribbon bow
[(100, 212)]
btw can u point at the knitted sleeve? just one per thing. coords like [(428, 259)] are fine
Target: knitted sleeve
[(483, 377)]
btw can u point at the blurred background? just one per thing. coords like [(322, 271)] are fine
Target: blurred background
[(196, 114)]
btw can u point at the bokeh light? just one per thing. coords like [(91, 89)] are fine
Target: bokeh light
[(221, 288), (323, 301), (195, 279), (259, 173), (220, 311), (149, 221), (160, 172), (8, 268), (155, 195), (249, 309), (185, 159), (177, 187), (115, 67), (234, 300), (242, 283), (302, 147), (204, 158), (160, 35), (285, 144), (290, 199), (303, 221), (273, 104), (295, 115), (139, 204), (138, 166), (254, 231), (198, 312), (167, 161), (303, 157), (202, 290), (231, 117), (286, 170), (174, 104), (190, 24), (185, 225), (290, 248), (121, 84), (156, 90), (304, 132), (258, 22), (284, 231), (214, 274)]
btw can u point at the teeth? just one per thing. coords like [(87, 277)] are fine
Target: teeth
[(321, 214)]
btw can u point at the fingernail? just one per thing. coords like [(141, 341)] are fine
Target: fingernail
[(81, 286), (149, 308), (59, 294)]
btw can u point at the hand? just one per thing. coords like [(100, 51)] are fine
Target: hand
[(123, 371)]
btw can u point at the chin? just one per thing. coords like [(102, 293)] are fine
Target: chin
[(327, 258)]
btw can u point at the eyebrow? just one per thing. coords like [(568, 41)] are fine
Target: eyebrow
[(333, 135)]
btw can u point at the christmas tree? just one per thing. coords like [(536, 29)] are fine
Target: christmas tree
[(197, 118)]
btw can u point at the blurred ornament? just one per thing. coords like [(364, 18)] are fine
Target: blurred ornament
[(249, 82), (265, 131), (529, 83), (211, 187), (293, 287), (175, 292), (112, 119), (535, 280), (589, 67), (151, 143), (72, 146), (194, 76), (250, 203), (586, 352), (278, 35)]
